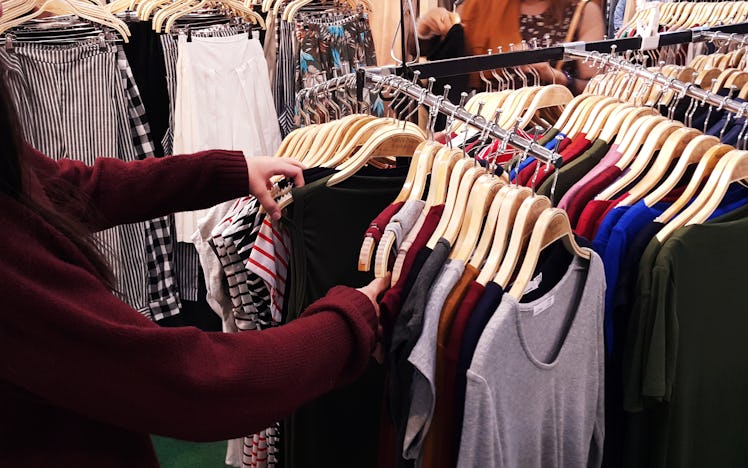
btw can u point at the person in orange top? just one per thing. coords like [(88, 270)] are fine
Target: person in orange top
[(492, 24)]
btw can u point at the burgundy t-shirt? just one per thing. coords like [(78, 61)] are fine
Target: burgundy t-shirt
[(575, 150), (589, 191), (376, 228)]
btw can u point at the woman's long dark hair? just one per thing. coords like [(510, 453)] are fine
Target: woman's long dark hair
[(13, 176)]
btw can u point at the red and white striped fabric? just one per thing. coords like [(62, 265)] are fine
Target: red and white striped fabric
[(269, 261)]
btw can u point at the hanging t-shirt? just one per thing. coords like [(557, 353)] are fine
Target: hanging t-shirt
[(610, 159), (696, 290), (536, 374), (574, 169), (589, 191)]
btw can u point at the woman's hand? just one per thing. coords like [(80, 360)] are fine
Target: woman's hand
[(372, 291), (436, 22), (262, 169)]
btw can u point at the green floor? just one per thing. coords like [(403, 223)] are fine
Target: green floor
[(180, 454)]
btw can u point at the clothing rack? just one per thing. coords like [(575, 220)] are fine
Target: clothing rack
[(477, 63), (423, 96), (686, 89)]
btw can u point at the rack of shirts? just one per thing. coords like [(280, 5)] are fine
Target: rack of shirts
[(625, 164), (675, 16)]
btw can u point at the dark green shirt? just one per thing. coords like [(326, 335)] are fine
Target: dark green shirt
[(690, 319), (571, 173)]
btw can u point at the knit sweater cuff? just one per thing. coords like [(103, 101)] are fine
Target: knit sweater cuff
[(359, 314), (230, 176)]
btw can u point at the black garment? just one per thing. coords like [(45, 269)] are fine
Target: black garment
[(326, 225), (452, 46), (146, 57), (415, 269), (571, 173), (405, 334)]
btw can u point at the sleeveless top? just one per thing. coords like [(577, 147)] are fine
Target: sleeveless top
[(537, 26)]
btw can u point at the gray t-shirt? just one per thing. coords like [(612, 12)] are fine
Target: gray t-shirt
[(423, 358), (404, 220), (535, 391)]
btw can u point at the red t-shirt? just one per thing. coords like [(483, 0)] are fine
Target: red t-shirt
[(589, 191), (526, 175)]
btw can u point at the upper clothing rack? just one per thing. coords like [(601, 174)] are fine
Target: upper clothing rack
[(477, 63)]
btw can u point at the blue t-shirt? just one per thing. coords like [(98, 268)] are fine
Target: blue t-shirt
[(626, 229), (606, 227)]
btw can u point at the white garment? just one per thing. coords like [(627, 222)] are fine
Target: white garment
[(223, 101)]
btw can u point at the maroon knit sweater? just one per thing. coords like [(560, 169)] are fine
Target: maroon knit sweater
[(84, 378)]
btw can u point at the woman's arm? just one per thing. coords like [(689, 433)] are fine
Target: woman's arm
[(121, 192), (66, 339), (591, 28)]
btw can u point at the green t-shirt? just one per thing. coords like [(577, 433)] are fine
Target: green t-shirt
[(690, 320), (570, 173)]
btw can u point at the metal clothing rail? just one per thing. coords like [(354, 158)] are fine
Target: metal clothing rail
[(436, 103), (477, 63), (686, 89)]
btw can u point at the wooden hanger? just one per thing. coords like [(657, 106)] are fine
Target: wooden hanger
[(692, 154), (444, 166), (457, 215), (581, 114), (621, 120), (515, 110), (734, 170), (357, 136), (731, 167), (547, 96), (672, 149), (489, 229), (631, 142), (598, 118), (391, 142), (654, 141), (458, 173), (527, 215), (481, 197), (93, 12), (569, 109), (552, 225), (706, 166), (513, 198)]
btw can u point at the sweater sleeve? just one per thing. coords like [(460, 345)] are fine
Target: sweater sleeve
[(121, 192), (65, 338)]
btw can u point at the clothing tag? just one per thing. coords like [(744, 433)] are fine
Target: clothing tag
[(534, 284), (543, 306)]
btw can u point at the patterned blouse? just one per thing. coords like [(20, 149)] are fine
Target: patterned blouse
[(537, 26)]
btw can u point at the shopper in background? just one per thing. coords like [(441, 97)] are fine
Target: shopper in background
[(490, 24), (84, 378)]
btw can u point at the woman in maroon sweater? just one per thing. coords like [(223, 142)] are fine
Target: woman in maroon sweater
[(84, 378)]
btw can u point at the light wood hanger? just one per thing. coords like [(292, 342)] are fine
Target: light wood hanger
[(547, 96), (459, 172), (654, 141), (513, 199), (413, 188), (581, 114), (630, 143), (527, 215), (552, 225), (394, 142), (598, 117), (482, 194), (672, 149), (444, 166), (569, 109), (337, 137), (92, 12), (734, 170), (357, 136), (523, 101), (692, 154), (457, 216), (731, 167), (621, 120), (489, 229), (706, 166)]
